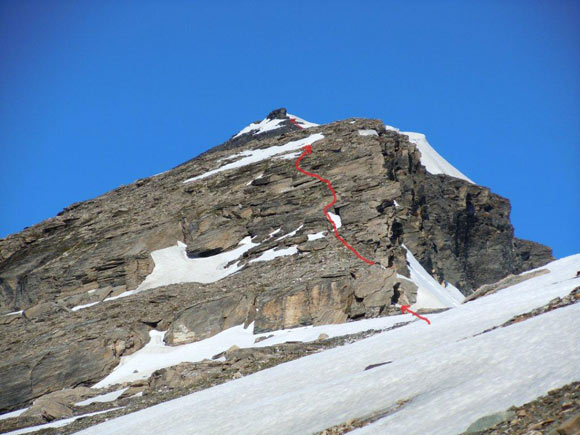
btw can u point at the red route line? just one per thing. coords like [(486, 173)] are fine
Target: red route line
[(308, 150), (406, 308)]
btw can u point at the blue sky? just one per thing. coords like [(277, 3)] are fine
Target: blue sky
[(98, 94)]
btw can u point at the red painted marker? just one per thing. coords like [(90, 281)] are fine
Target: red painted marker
[(293, 121), (308, 150), (406, 308)]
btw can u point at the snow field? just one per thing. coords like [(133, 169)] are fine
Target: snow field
[(450, 376)]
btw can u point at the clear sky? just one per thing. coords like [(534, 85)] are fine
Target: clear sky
[(96, 94)]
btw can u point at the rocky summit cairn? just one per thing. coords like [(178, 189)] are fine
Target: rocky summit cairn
[(82, 289)]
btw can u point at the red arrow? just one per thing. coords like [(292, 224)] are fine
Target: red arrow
[(406, 308), (293, 121), (308, 150)]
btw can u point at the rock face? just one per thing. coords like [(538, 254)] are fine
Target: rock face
[(101, 248)]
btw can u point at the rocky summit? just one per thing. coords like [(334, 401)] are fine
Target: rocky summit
[(239, 236)]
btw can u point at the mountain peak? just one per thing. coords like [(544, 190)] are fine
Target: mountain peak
[(278, 114)]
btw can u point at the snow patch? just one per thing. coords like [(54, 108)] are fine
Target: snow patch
[(58, 423), (257, 178), (270, 254), (316, 236), (336, 219), (173, 266), (290, 156), (82, 307), (302, 122), (290, 234), (13, 414), (261, 127), (430, 294), (253, 156), (368, 133), (266, 124), (108, 397)]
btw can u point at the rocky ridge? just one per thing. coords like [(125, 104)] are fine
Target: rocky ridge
[(101, 249)]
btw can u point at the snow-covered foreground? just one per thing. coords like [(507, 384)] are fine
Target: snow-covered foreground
[(449, 376)]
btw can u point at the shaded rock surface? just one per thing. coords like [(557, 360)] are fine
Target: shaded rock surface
[(98, 249)]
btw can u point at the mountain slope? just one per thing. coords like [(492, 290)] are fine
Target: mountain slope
[(238, 236), (438, 379)]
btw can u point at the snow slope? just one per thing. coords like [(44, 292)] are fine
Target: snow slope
[(432, 160), (449, 375), (430, 294), (253, 156)]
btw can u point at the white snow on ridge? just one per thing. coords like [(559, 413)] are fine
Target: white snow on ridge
[(431, 294), (173, 266), (253, 156), (431, 159), (272, 124), (450, 376), (261, 127), (302, 122)]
